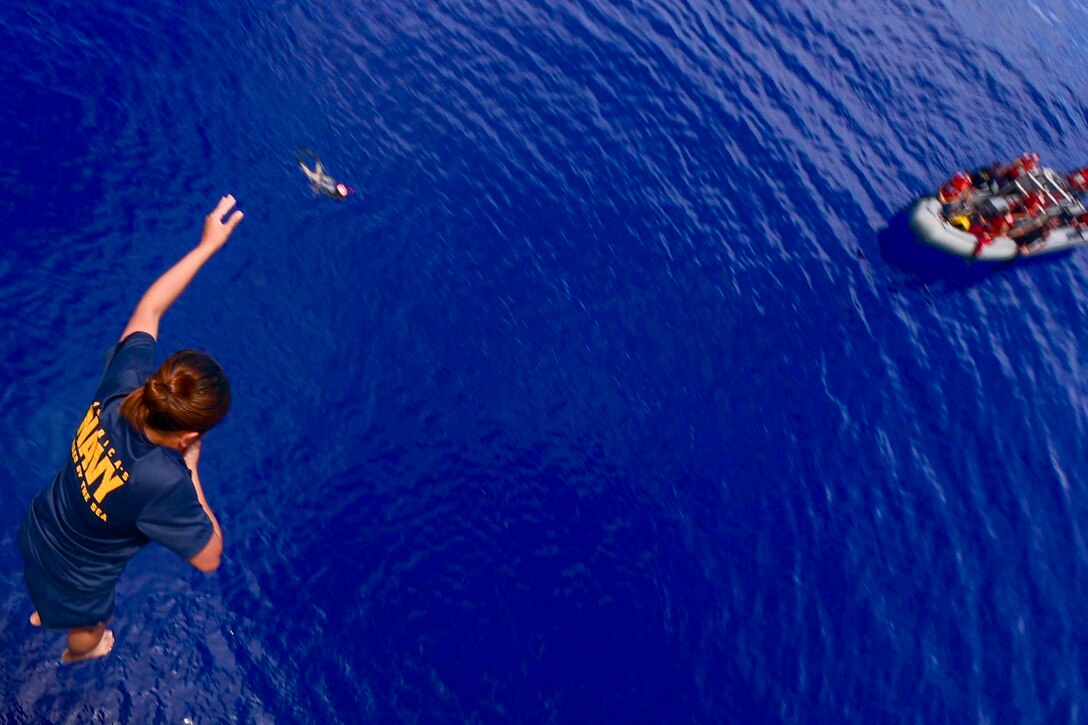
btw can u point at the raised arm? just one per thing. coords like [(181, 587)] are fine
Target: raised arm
[(167, 288)]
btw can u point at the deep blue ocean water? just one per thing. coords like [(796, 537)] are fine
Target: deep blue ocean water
[(618, 393)]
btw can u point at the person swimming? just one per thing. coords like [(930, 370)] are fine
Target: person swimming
[(319, 178)]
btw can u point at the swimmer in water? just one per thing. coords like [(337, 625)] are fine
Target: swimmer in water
[(320, 178)]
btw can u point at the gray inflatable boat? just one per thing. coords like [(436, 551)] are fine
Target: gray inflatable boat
[(1057, 228)]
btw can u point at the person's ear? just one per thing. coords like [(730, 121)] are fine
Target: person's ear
[(187, 439)]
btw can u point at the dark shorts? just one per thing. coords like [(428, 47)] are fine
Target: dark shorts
[(60, 606)]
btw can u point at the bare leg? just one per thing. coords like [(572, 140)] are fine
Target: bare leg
[(87, 643), (312, 174)]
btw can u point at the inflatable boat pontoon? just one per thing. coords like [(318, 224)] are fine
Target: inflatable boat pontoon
[(1000, 213)]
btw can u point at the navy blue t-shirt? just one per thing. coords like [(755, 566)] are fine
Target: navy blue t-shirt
[(116, 492)]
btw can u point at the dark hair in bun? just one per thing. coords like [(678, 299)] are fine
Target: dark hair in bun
[(189, 392)]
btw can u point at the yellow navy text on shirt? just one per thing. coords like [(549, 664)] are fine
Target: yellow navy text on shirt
[(99, 471)]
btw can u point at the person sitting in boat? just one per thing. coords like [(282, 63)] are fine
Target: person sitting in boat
[(1001, 217), (1018, 215), (958, 189), (985, 179), (1029, 237), (1025, 235), (983, 232), (1033, 204), (1073, 221), (1078, 180), (1020, 166), (1000, 226)]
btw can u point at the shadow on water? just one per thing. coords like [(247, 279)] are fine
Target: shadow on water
[(924, 266)]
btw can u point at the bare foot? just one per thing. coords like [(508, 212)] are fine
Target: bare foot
[(101, 650), (35, 619)]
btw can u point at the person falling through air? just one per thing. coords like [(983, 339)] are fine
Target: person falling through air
[(320, 178), (130, 474)]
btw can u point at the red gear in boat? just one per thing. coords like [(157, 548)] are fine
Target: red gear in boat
[(1034, 203), (983, 240), (955, 187), (1018, 166), (1000, 225)]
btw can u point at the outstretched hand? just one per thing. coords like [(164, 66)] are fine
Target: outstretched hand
[(216, 230)]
